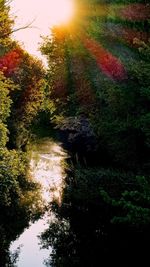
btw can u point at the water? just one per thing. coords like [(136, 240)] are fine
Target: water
[(47, 168)]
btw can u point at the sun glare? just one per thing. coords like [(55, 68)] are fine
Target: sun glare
[(61, 11), (45, 14)]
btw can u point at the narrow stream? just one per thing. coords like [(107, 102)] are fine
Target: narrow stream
[(47, 168)]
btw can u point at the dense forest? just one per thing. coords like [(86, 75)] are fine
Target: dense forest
[(95, 92)]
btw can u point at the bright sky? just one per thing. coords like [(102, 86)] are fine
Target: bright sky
[(45, 14)]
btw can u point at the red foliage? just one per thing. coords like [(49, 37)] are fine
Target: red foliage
[(110, 65), (10, 61)]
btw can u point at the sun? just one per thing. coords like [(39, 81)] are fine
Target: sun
[(61, 11)]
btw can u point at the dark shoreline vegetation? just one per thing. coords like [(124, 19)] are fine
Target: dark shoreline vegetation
[(94, 98)]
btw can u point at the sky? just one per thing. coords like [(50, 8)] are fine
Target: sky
[(44, 14)]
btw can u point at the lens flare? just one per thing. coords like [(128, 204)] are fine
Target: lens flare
[(61, 11)]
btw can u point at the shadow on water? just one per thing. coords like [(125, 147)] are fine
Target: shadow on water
[(84, 235)]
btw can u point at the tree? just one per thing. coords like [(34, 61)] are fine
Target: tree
[(6, 24)]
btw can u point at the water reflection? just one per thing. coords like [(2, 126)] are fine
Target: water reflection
[(47, 168), (30, 253)]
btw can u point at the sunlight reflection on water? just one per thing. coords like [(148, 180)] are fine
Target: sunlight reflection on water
[(47, 168)]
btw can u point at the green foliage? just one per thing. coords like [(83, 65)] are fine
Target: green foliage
[(20, 199), (6, 86), (3, 135), (21, 96), (60, 89), (12, 168), (133, 205), (5, 26), (27, 100), (82, 78), (104, 60), (104, 212), (98, 67)]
